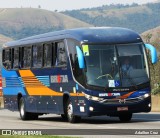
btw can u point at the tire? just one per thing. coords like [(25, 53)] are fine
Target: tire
[(23, 114), (125, 117), (64, 116), (69, 111)]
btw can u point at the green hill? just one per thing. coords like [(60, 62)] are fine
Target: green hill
[(152, 36), (22, 22), (137, 17)]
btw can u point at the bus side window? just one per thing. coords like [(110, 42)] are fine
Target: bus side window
[(15, 53), (27, 57), (61, 59), (7, 58), (37, 56), (47, 55)]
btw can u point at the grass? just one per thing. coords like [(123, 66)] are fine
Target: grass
[(45, 136)]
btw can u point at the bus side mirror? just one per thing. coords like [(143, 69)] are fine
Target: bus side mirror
[(80, 58), (153, 52)]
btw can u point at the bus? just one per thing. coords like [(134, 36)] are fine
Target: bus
[(78, 73)]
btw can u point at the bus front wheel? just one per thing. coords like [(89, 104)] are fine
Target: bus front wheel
[(64, 116), (125, 117), (22, 110), (71, 117)]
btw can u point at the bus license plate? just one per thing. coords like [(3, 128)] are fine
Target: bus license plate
[(122, 108)]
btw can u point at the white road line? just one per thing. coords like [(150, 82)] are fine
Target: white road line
[(148, 119)]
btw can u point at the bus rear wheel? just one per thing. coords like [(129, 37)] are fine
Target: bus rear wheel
[(70, 116), (23, 114), (125, 117)]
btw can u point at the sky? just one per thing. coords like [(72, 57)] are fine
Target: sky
[(62, 5)]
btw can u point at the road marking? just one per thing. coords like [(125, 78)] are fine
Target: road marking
[(148, 119)]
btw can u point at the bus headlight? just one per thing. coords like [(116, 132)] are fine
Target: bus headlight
[(87, 96), (149, 105), (94, 98), (146, 95), (91, 108)]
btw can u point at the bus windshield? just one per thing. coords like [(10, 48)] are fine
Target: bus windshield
[(115, 65)]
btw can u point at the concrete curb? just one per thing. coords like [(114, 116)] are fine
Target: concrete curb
[(155, 103)]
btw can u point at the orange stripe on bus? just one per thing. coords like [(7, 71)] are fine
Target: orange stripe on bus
[(126, 95), (42, 91), (30, 79), (35, 87), (26, 73)]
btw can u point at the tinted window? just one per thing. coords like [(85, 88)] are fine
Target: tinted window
[(7, 58), (15, 57), (78, 74), (27, 57), (61, 55), (37, 56), (47, 55)]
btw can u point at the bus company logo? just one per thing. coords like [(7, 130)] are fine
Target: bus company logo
[(59, 79), (109, 94)]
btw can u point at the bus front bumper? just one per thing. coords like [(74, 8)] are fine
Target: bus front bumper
[(93, 108)]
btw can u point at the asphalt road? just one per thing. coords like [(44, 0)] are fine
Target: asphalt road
[(95, 126)]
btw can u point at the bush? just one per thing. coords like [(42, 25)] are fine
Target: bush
[(156, 91)]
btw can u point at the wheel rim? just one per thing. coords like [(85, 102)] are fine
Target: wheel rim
[(70, 110), (22, 109)]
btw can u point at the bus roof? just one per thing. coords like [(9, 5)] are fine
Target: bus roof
[(109, 35)]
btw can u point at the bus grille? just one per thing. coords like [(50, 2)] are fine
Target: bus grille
[(123, 101)]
